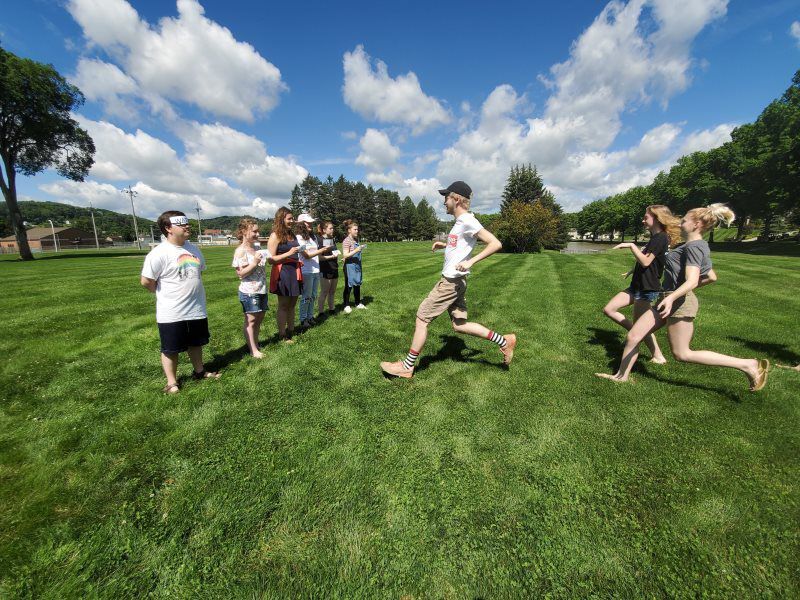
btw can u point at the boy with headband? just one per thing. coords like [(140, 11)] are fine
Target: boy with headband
[(172, 270)]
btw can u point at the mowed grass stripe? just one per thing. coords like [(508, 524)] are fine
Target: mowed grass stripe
[(308, 473)]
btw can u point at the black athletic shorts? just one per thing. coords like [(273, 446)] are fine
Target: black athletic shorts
[(178, 337)]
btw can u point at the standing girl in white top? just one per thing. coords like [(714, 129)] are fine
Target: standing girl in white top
[(249, 264), (312, 248)]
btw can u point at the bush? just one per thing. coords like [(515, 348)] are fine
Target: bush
[(527, 227)]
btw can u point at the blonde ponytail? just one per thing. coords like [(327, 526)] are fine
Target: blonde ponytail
[(712, 214)]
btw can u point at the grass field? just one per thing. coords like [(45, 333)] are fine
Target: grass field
[(310, 474)]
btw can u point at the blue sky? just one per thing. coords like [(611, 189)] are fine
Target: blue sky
[(230, 103)]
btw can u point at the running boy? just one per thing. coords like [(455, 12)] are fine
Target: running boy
[(449, 293), (172, 271)]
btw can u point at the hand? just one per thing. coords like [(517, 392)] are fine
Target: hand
[(464, 266), (437, 245), (622, 246), (359, 249), (626, 274), (665, 307)]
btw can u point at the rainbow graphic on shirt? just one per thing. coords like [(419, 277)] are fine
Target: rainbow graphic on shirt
[(187, 262)]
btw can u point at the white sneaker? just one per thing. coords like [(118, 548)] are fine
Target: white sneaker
[(362, 307), (347, 309)]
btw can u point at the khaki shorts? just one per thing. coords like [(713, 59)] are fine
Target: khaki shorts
[(684, 308), (446, 295)]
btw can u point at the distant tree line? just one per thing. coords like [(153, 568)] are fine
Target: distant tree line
[(757, 174), (381, 214)]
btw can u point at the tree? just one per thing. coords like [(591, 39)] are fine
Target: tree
[(37, 131), (524, 184), (527, 227), (426, 223), (408, 215)]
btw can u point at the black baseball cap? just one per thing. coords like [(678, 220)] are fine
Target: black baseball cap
[(457, 187)]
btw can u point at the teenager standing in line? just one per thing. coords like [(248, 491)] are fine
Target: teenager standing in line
[(286, 278), (665, 231), (449, 294), (249, 264), (328, 268), (312, 248), (351, 252), (687, 267), (172, 271)]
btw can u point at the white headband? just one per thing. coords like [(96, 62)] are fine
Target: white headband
[(179, 220)]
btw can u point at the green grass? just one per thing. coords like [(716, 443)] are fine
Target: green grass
[(310, 474)]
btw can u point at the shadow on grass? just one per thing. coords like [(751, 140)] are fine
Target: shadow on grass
[(66, 255), (610, 340), (778, 352), (453, 348), (776, 248), (733, 397)]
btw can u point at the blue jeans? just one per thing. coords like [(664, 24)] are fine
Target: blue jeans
[(309, 299), (642, 295), (253, 303)]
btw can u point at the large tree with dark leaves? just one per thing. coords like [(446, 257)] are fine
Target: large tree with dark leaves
[(37, 131)]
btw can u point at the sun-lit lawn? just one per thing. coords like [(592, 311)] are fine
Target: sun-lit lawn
[(310, 474)]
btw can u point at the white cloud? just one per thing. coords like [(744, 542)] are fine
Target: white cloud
[(106, 83), (377, 151), (655, 144), (189, 58), (375, 95), (794, 31), (633, 54), (707, 139), (222, 170)]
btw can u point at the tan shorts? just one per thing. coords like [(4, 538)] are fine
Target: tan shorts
[(686, 307), (446, 295)]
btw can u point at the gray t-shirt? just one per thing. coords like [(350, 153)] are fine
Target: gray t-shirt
[(695, 253)]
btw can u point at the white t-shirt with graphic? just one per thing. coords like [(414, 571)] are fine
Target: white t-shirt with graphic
[(256, 281), (460, 243), (310, 265), (180, 295)]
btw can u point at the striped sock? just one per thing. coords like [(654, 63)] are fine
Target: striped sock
[(497, 339), (411, 359)]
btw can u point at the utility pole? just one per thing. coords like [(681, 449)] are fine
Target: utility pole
[(55, 239), (152, 235), (96, 241), (199, 224), (131, 192)]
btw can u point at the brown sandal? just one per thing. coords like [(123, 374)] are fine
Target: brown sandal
[(171, 388)]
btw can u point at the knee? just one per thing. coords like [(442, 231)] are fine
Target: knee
[(682, 354), (458, 324), (608, 310)]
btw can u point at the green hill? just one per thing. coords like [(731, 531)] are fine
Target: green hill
[(108, 222)]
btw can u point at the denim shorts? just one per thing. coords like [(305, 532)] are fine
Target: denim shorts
[(253, 303), (643, 295)]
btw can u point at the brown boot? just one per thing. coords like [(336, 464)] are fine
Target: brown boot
[(508, 351), (397, 369)]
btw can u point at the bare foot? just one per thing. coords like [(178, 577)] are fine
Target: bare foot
[(795, 368), (258, 354), (658, 360), (611, 377), (763, 372)]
